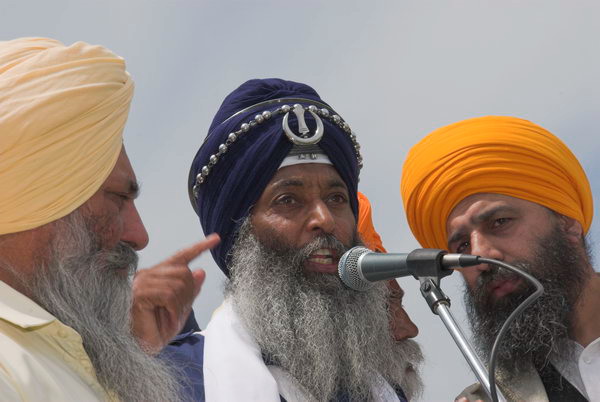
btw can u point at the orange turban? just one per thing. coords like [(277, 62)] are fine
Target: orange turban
[(493, 154), (62, 113), (365, 225)]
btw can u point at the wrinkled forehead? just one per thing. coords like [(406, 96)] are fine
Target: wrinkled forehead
[(477, 207), (305, 176)]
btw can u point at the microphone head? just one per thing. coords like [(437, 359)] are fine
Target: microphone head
[(349, 270)]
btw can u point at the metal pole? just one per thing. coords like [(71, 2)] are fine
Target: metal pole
[(467, 350), (439, 304)]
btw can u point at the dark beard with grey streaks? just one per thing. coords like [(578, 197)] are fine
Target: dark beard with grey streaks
[(541, 330), (89, 289), (329, 338)]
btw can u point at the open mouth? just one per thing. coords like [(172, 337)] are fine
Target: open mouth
[(323, 260), (503, 287)]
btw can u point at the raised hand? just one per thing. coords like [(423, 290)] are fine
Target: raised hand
[(163, 296)]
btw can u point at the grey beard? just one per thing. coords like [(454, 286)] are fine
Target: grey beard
[(89, 290), (331, 339), (541, 331)]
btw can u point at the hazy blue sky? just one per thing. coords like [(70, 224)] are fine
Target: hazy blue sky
[(395, 70)]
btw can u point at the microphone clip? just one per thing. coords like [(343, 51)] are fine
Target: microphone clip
[(422, 268)]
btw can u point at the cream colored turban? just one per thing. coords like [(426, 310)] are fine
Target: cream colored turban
[(62, 114), (493, 154)]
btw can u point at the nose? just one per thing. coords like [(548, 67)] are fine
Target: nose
[(320, 219), (408, 328), (134, 232), (482, 246), (401, 324)]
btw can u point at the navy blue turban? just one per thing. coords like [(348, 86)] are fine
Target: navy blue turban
[(239, 176)]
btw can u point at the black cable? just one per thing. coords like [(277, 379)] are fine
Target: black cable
[(538, 292)]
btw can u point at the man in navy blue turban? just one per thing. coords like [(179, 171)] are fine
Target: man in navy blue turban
[(276, 178)]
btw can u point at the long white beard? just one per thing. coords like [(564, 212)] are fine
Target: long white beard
[(87, 289), (330, 339)]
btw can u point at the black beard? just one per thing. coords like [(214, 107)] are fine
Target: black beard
[(541, 330)]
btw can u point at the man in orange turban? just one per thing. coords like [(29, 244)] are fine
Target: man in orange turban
[(401, 325), (69, 232), (507, 189)]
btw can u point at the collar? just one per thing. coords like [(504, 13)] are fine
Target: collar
[(20, 310)]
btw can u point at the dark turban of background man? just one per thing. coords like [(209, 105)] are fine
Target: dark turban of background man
[(246, 145)]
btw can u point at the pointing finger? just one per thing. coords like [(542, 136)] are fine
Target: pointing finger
[(186, 255)]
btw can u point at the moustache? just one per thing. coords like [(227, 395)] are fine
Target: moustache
[(122, 258), (326, 241)]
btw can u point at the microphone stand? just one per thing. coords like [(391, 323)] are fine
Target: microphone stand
[(429, 275)]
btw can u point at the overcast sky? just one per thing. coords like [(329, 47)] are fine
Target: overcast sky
[(394, 70)]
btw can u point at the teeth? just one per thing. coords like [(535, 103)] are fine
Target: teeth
[(323, 251), (322, 260), (322, 256)]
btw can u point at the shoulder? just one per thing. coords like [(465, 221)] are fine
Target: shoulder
[(474, 392), (10, 356), (185, 354)]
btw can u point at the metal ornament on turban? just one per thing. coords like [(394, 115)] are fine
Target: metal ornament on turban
[(62, 113), (494, 154), (256, 128)]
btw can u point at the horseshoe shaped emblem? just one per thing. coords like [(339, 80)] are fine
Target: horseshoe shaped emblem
[(303, 138)]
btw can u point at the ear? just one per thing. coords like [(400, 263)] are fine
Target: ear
[(571, 228)]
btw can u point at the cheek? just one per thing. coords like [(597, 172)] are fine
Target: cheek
[(346, 228), (108, 228), (470, 276), (269, 228)]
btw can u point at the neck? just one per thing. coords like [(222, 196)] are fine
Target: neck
[(586, 326)]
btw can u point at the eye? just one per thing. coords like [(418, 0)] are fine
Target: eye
[(462, 247), (119, 198), (501, 221), (286, 199), (338, 198), (397, 296)]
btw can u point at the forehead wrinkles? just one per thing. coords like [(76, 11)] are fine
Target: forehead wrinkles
[(307, 174)]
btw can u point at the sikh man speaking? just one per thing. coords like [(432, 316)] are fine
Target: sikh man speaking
[(69, 231), (277, 178), (507, 189)]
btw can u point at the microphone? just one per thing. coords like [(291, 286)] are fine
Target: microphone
[(359, 266)]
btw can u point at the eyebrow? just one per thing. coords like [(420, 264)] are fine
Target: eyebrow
[(288, 183), (482, 217), (336, 183)]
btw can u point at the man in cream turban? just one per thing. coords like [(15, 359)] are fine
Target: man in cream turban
[(277, 178), (507, 189), (69, 231)]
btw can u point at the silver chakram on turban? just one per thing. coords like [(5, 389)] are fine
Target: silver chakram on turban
[(255, 129)]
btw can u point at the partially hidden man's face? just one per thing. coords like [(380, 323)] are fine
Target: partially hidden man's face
[(303, 202), (503, 228)]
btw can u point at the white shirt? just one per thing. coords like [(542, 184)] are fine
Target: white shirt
[(234, 369), (583, 369), (41, 359)]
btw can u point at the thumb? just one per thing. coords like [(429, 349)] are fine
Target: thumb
[(199, 276)]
